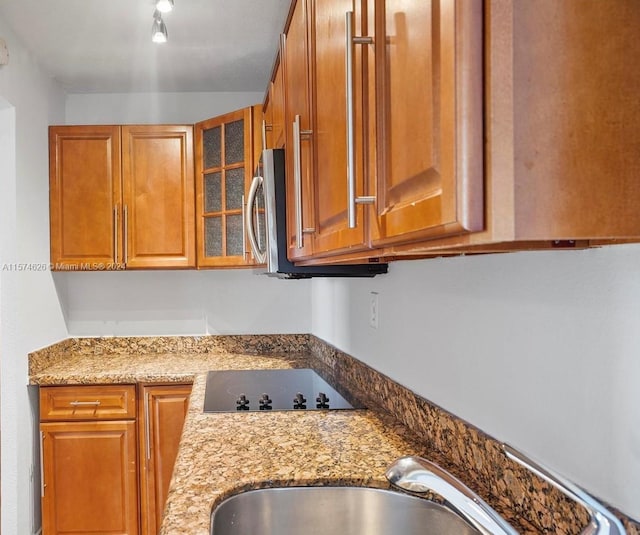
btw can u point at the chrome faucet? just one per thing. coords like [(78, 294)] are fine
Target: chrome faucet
[(420, 476), (602, 521)]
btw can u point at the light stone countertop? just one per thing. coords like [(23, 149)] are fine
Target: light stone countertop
[(222, 454), (225, 453)]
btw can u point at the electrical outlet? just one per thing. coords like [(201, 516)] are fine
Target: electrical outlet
[(374, 310)]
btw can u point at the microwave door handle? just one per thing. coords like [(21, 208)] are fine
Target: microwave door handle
[(258, 227), (260, 256)]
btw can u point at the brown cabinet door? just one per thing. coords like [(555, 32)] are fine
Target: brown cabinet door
[(328, 38), (427, 95), (276, 103), (299, 138), (224, 161), (158, 196), (84, 187), (162, 416), (90, 478)]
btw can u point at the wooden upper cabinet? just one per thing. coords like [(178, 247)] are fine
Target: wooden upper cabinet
[(162, 413), (561, 128), (390, 105), (121, 197), (294, 55), (425, 90), (273, 109), (158, 196), (329, 95), (224, 168), (85, 188)]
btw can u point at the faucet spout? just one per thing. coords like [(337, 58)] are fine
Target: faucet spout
[(602, 521), (419, 476)]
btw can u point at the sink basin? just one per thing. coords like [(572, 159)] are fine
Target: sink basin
[(336, 510)]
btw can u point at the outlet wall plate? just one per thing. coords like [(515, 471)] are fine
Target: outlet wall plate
[(4, 52)]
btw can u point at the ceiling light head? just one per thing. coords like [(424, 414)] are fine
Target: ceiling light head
[(158, 30), (164, 6)]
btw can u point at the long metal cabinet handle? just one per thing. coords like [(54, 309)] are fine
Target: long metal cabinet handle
[(115, 234), (259, 255), (125, 239), (42, 483), (76, 403), (297, 180), (602, 521), (352, 200), (264, 134), (147, 426)]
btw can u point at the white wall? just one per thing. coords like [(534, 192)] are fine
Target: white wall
[(538, 349), (175, 302), (183, 302), (29, 308), (142, 108)]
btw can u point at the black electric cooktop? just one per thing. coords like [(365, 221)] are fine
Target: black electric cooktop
[(271, 390)]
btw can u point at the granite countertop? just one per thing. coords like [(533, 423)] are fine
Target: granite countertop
[(221, 454)]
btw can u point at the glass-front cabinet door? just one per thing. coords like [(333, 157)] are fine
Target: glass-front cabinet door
[(223, 176)]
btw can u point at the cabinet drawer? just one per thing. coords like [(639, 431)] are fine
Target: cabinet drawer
[(87, 402)]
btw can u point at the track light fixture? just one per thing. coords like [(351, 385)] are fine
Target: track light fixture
[(158, 30), (164, 6)]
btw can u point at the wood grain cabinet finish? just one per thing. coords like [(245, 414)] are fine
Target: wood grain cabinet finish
[(298, 133), (121, 197), (390, 101), (89, 467), (111, 402), (328, 51), (223, 170), (85, 195), (562, 128), (477, 127), (162, 412), (273, 108), (158, 196), (424, 92)]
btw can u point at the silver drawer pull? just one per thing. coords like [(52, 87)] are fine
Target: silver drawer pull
[(85, 403)]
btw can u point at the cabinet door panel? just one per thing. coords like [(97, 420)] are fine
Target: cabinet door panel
[(90, 478), (158, 196), (223, 170), (276, 103), (330, 126), (85, 184), (428, 85), (295, 59), (163, 413)]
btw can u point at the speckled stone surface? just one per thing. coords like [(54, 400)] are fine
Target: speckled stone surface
[(222, 454), (471, 455)]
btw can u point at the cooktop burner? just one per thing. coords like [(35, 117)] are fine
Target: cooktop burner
[(271, 390)]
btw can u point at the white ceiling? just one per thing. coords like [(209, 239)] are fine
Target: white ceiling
[(105, 45)]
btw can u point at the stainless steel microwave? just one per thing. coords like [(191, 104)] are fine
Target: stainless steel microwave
[(266, 225)]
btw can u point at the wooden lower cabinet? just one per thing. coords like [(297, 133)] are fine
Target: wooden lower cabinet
[(162, 410), (107, 456), (90, 478)]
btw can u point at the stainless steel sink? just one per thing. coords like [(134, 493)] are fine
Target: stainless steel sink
[(335, 510)]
